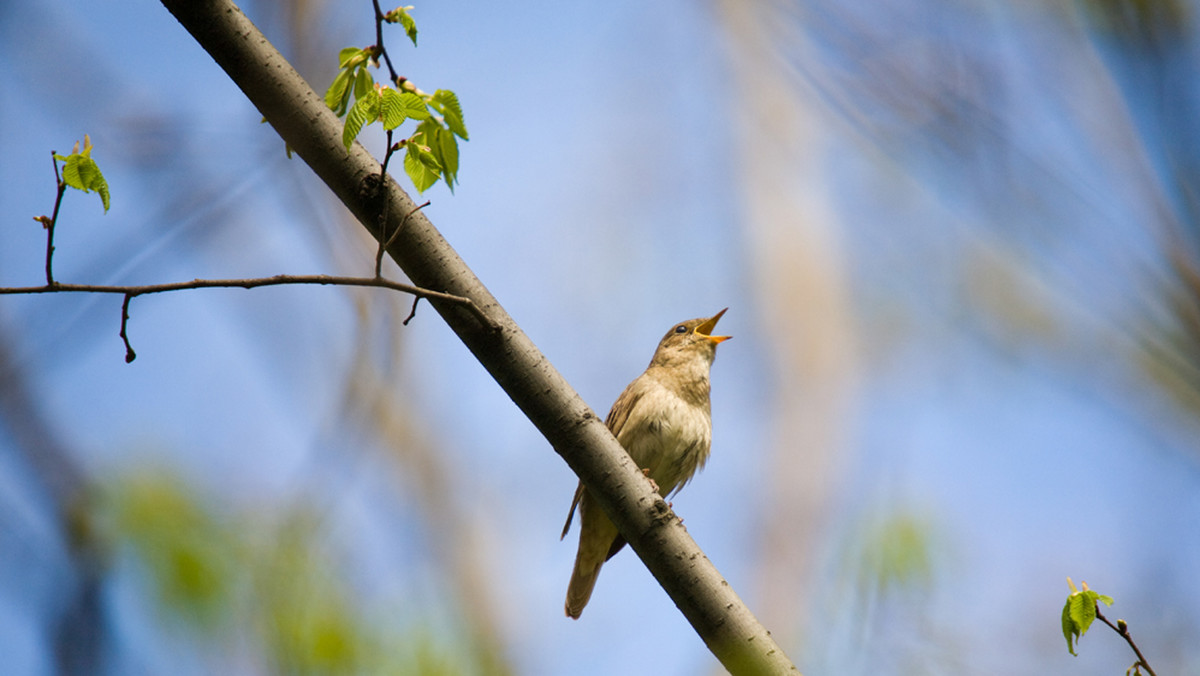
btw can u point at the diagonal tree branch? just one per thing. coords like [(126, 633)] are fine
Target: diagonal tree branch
[(300, 116)]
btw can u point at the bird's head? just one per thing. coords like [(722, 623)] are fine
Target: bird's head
[(689, 340)]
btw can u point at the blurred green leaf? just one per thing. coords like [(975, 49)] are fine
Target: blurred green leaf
[(271, 586), (190, 555), (897, 552)]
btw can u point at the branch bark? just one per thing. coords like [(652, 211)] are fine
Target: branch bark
[(301, 117)]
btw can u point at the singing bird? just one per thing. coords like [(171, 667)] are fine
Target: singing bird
[(664, 421)]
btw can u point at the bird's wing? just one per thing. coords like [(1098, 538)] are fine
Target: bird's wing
[(571, 514), (614, 422), (624, 405)]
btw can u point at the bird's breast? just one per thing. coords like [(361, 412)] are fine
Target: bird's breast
[(668, 435)]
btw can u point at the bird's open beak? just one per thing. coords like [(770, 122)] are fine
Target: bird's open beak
[(709, 324)]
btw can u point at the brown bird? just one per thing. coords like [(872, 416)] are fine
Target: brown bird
[(664, 421)]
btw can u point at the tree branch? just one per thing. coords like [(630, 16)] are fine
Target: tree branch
[(1123, 631), (131, 292), (49, 223), (301, 117)]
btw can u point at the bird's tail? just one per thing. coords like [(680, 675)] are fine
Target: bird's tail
[(596, 537), (583, 580)]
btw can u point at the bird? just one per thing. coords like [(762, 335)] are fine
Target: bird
[(663, 419)]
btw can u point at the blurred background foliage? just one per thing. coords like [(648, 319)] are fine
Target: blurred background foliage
[(264, 586), (961, 246)]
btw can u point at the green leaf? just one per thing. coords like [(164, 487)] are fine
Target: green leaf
[(414, 106), (1079, 613), (447, 154), (1068, 627), (1083, 609), (446, 103), (401, 15), (351, 56), (363, 82), (82, 173), (421, 166), (364, 111), (189, 553), (89, 171), (444, 148), (392, 109), (338, 94)]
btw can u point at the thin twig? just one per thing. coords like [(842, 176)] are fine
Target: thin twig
[(387, 157), (383, 224), (1123, 632), (49, 223), (384, 195), (130, 355), (131, 292), (384, 244), (379, 21), (386, 208), (413, 312), (403, 221)]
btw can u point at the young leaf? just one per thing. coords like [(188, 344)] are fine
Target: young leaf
[(1069, 630), (444, 148), (89, 174), (1079, 613), (421, 166), (350, 57), (363, 82), (446, 102), (400, 15), (338, 94), (364, 111), (391, 108), (414, 106), (81, 172)]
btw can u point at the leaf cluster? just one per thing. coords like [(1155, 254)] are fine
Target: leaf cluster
[(431, 151)]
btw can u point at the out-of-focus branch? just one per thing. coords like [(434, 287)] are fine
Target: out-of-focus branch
[(80, 627), (307, 125)]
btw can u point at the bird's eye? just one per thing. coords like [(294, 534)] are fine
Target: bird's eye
[(681, 329)]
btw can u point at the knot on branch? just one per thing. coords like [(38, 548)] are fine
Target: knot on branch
[(370, 188)]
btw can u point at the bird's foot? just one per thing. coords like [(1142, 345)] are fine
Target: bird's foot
[(653, 483)]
